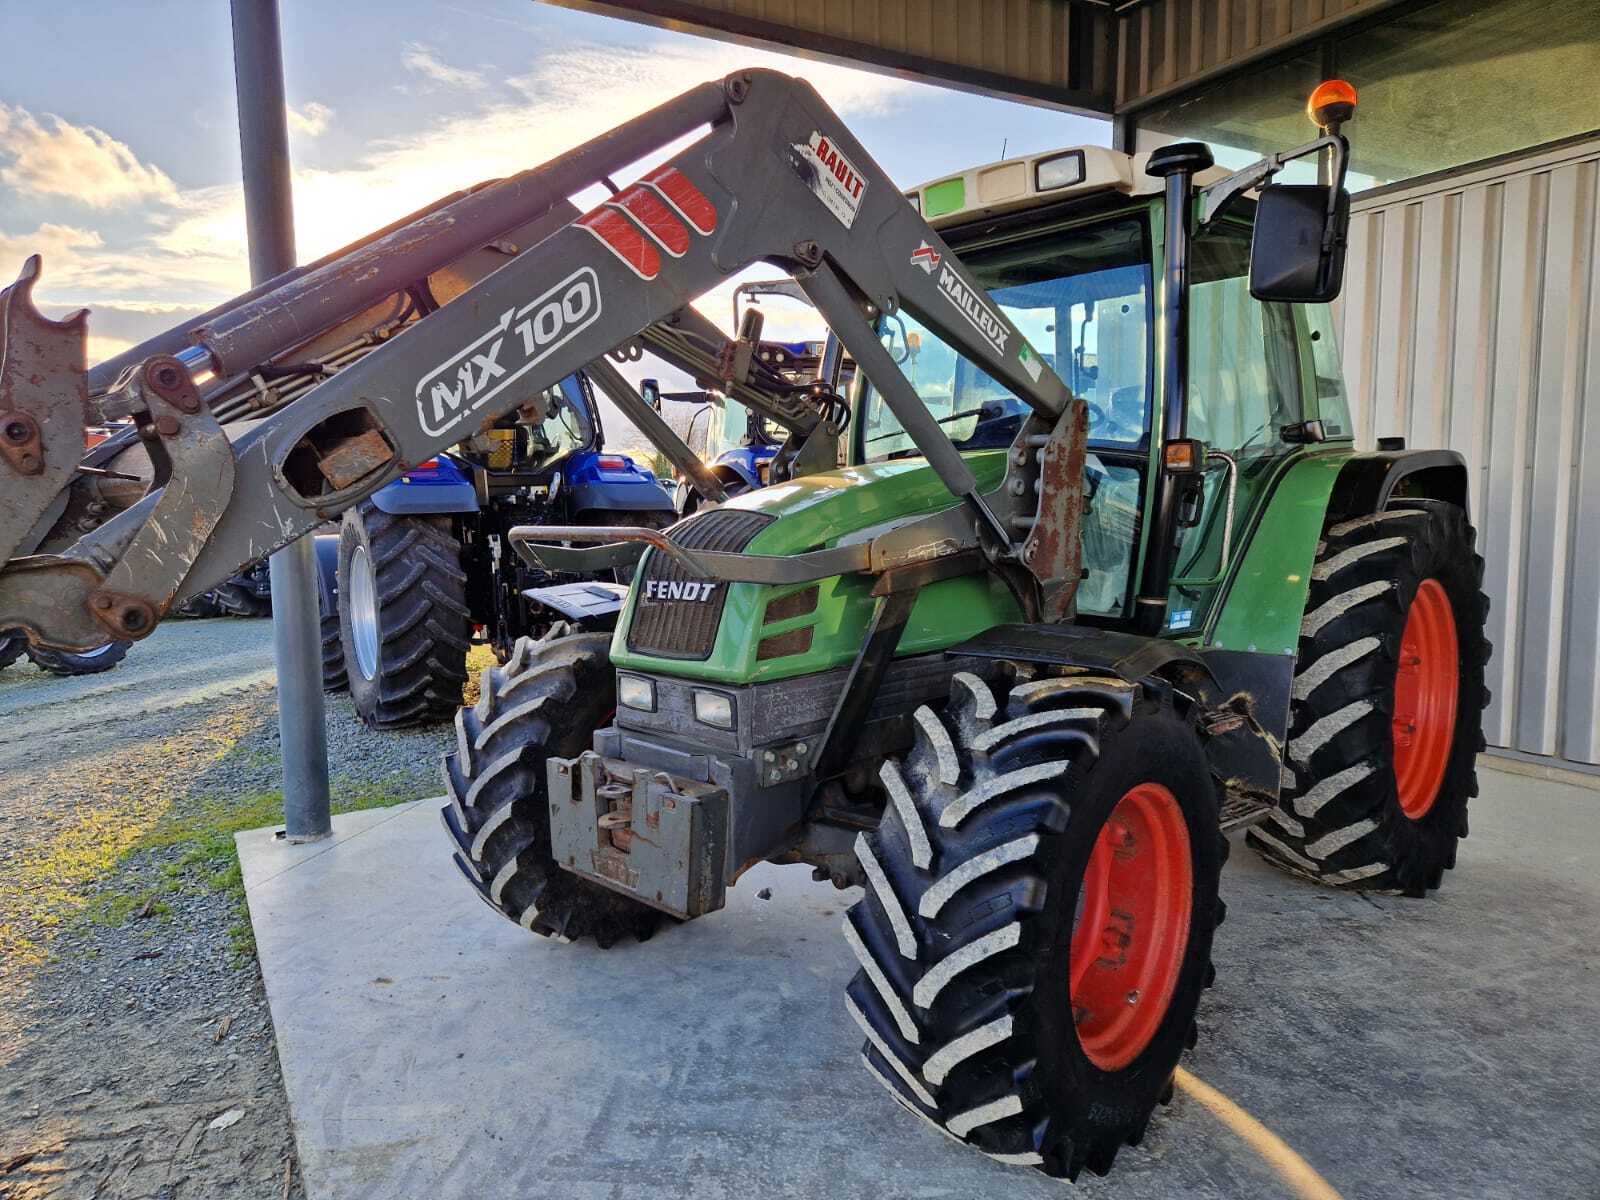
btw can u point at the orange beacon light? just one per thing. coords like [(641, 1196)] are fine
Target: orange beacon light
[(1332, 103)]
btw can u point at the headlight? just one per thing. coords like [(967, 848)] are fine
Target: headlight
[(1063, 170), (634, 691), (713, 708)]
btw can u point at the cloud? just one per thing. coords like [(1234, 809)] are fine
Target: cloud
[(82, 270), (100, 348), (310, 119), (49, 239), (585, 91), (54, 157), (424, 61), (588, 76), (190, 251)]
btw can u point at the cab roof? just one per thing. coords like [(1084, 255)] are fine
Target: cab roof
[(1033, 180)]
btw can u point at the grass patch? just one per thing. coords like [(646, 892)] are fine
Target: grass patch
[(56, 881), (207, 861)]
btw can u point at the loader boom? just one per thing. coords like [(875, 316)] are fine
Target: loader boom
[(776, 178)]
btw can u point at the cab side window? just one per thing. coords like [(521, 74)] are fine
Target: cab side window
[(1244, 383), (1244, 389)]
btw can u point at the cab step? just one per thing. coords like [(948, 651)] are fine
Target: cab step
[(1240, 812)]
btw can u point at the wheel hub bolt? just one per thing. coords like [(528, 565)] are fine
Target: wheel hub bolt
[(1133, 996)]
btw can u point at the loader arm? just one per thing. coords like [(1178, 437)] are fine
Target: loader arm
[(775, 178)]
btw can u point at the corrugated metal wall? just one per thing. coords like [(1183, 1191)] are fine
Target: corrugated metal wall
[(1057, 51), (1165, 45), (1471, 319)]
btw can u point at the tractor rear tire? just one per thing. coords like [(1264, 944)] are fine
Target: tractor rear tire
[(403, 619), (546, 701), (1386, 710), (61, 662), (1037, 928), (198, 607), (335, 677), (234, 599), (12, 647)]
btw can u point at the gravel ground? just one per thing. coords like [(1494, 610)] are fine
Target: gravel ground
[(136, 1051)]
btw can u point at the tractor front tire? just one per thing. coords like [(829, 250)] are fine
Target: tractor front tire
[(1386, 710), (61, 662), (546, 701), (403, 620), (1036, 933)]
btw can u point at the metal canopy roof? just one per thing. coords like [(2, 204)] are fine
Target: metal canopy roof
[(1099, 57)]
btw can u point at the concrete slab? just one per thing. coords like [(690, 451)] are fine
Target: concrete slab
[(1437, 1048)]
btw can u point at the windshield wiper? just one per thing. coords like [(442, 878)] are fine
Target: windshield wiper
[(971, 412)]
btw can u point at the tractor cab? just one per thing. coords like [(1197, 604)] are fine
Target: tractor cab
[(1070, 245)]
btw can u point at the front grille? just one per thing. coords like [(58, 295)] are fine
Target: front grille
[(783, 645), (682, 628)]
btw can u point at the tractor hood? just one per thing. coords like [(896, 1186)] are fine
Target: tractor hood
[(820, 510), (745, 633)]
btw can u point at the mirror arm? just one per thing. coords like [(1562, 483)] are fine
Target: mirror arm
[(1340, 160), (1216, 199)]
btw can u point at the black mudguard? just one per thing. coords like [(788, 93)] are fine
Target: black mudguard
[(1369, 481), (590, 605), (1244, 696)]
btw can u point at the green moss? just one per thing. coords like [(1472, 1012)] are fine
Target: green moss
[(114, 908), (207, 862)]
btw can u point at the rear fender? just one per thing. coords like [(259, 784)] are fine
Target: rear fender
[(592, 488), (743, 465), (443, 488), (1370, 481)]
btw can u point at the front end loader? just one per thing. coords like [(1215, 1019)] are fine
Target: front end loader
[(1103, 578)]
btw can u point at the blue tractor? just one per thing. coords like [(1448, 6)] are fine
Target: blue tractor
[(736, 443), (422, 569)]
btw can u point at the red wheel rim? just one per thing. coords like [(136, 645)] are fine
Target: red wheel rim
[(1425, 687), (1132, 926)]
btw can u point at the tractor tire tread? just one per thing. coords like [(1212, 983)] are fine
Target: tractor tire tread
[(425, 626), (546, 701), (1339, 821), (957, 878)]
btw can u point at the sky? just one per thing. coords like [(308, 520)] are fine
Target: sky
[(119, 153)]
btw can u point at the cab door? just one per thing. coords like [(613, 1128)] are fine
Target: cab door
[(1244, 403)]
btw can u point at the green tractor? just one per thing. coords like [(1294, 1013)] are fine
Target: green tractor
[(1103, 578), (1272, 630)]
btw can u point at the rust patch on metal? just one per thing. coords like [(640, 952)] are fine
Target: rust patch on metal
[(1053, 552), (169, 379), (123, 616), (354, 458), (45, 404), (19, 442)]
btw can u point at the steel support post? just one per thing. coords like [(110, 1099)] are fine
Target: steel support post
[(269, 219)]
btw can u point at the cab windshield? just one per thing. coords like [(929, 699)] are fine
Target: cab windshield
[(566, 426), (1082, 298), (724, 425)]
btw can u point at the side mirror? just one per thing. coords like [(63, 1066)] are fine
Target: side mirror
[(1297, 252), (698, 438), (650, 389), (895, 339)]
